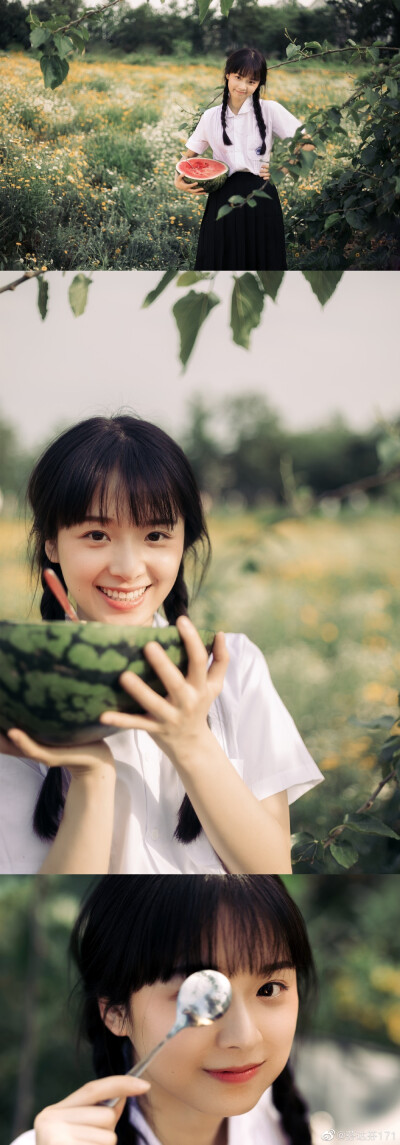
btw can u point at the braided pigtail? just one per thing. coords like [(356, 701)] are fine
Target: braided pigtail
[(292, 1108), (50, 804), (176, 604), (225, 97), (260, 121)]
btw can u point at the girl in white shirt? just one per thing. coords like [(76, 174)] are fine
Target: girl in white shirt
[(240, 133), (201, 781), (230, 1083)]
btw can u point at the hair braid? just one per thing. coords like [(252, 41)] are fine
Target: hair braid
[(225, 97), (260, 121), (50, 804), (176, 604), (292, 1108), (111, 1055)]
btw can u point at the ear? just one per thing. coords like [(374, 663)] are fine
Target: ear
[(50, 548), (114, 1018)]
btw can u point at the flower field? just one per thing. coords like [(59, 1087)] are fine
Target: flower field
[(321, 598), (86, 171)]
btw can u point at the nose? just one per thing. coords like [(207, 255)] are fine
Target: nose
[(238, 1029), (127, 560)]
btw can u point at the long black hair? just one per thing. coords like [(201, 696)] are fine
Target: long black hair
[(134, 930), (246, 62), (152, 475)]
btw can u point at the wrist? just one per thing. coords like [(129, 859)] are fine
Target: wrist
[(191, 750)]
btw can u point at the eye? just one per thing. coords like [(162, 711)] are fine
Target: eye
[(156, 535), (96, 535), (271, 990)]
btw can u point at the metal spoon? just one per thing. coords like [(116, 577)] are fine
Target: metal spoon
[(58, 590), (203, 997)]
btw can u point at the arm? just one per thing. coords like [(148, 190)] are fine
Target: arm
[(179, 182), (82, 1118), (249, 836), (83, 841)]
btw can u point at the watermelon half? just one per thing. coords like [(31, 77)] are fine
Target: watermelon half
[(57, 678), (209, 173)]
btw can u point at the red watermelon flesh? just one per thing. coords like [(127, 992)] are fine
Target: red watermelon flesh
[(209, 173)]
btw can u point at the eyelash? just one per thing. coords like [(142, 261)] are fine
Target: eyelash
[(97, 533), (267, 986)]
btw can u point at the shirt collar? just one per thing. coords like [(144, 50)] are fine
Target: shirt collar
[(245, 108)]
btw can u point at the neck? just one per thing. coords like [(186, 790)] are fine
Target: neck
[(175, 1123), (235, 104)]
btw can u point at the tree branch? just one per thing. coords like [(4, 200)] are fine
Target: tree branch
[(364, 483), (24, 277), (366, 806), (86, 16), (329, 52)]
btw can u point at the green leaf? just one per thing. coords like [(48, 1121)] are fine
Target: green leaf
[(54, 70), (64, 45), (33, 20), (226, 6), (43, 297), (313, 45), (307, 159), (323, 283), (331, 220), (293, 50), (78, 38), (190, 312), (271, 281), (246, 309), (189, 277), (355, 219), (344, 853), (352, 43), (225, 210), (203, 9), (78, 294), (366, 824), (39, 36), (371, 96), (163, 283), (261, 194), (251, 203), (391, 85), (236, 199)]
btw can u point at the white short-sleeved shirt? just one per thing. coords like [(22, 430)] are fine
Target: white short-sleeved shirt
[(256, 733), (244, 134), (260, 1126)]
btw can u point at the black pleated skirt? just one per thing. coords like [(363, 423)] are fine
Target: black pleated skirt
[(248, 238)]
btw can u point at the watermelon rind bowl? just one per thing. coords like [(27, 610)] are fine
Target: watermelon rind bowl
[(200, 166), (57, 678)]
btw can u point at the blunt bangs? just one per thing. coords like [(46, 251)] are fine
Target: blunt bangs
[(162, 925), (249, 63)]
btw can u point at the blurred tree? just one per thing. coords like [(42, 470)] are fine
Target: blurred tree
[(366, 20)]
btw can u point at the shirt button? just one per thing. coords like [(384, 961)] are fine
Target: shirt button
[(154, 833)]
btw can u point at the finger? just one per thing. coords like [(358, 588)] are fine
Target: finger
[(220, 661), (197, 653), (128, 723), (148, 699), (7, 747), (27, 746), (103, 1088)]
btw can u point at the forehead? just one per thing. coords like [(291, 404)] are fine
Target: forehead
[(113, 499)]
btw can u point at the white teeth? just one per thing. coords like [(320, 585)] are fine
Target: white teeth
[(114, 594)]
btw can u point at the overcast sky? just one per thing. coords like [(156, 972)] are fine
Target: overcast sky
[(310, 362)]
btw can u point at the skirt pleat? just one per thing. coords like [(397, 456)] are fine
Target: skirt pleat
[(249, 238)]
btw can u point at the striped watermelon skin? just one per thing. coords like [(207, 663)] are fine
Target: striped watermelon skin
[(57, 678)]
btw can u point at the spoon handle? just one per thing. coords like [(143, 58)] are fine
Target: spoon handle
[(140, 1067), (54, 583)]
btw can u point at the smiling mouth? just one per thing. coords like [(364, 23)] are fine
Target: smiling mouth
[(119, 594)]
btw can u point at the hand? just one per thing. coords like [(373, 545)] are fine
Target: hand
[(264, 171), (80, 1118), (177, 722), (80, 760), (192, 188)]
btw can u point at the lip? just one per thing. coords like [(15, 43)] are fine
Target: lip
[(236, 1076), (122, 605)]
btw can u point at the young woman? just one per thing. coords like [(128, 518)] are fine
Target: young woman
[(230, 1083), (203, 780), (240, 133)]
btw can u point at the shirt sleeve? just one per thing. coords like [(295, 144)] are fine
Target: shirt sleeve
[(28, 1138), (267, 741), (21, 851), (284, 124), (199, 139)]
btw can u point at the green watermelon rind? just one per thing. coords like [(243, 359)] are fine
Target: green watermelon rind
[(211, 184), (42, 692)]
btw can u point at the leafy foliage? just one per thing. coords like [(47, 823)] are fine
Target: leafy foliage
[(52, 44)]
